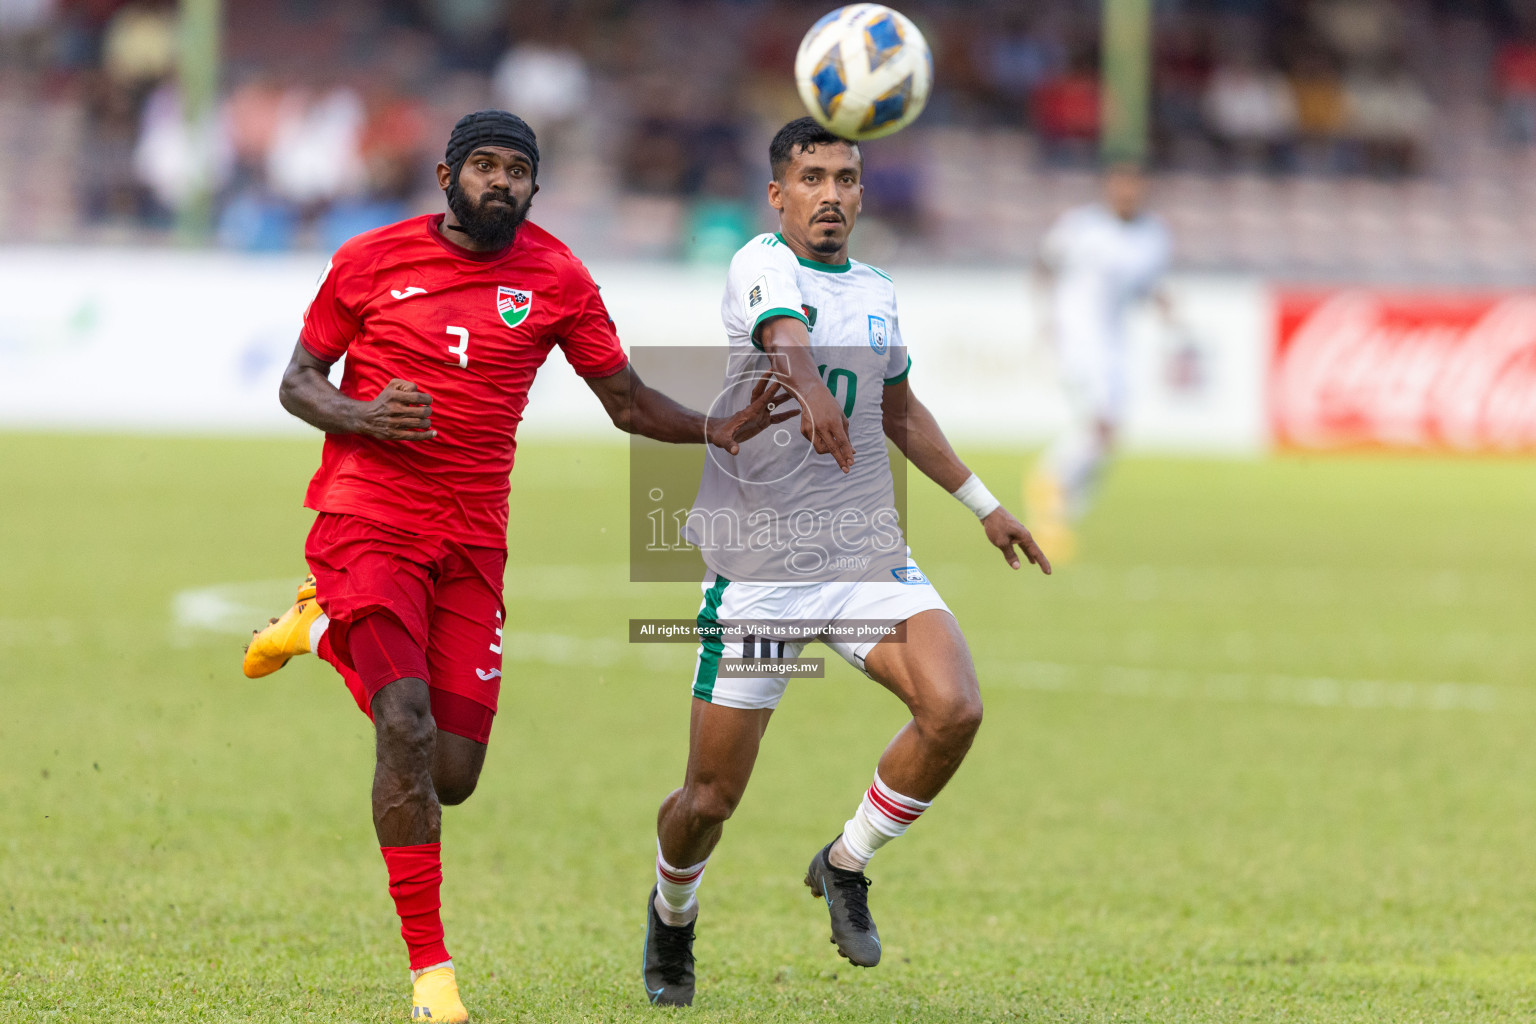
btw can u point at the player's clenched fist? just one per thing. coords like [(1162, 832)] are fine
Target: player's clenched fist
[(401, 412)]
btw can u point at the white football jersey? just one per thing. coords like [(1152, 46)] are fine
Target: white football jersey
[(777, 512), (1102, 265)]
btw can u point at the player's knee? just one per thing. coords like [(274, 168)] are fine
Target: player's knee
[(968, 716), (405, 733), (708, 806), (402, 722), (953, 721)]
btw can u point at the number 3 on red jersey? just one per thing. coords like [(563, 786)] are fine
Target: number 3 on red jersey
[(462, 348)]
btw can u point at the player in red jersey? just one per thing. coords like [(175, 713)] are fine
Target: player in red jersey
[(444, 321)]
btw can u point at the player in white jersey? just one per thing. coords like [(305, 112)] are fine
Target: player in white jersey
[(802, 542), (1096, 261)]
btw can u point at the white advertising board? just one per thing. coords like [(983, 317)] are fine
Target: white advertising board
[(195, 342), (135, 340)]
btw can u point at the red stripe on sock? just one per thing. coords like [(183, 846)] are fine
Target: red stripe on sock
[(896, 812), (415, 881), (674, 877)]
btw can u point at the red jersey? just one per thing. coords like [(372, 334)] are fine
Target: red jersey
[(471, 330)]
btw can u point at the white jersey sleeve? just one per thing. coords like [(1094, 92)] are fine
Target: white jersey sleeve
[(760, 285)]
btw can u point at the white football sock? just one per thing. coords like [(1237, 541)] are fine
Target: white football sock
[(676, 888), (418, 972), (317, 630), (883, 815)]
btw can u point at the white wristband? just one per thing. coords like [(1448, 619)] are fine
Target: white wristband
[(973, 494)]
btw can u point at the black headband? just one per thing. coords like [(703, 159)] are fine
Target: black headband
[(490, 128)]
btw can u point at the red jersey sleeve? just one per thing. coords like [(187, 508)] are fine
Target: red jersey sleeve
[(333, 318), (585, 332)]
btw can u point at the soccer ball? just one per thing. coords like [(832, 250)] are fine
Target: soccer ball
[(864, 71)]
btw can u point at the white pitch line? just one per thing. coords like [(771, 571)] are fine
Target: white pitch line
[(236, 608), (230, 609), (1244, 687)]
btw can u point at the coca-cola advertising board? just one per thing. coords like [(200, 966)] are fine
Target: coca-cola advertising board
[(1363, 368)]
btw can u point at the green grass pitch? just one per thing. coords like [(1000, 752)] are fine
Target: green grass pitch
[(1264, 752)]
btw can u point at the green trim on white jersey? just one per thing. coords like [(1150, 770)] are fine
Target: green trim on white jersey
[(903, 374), (769, 313)]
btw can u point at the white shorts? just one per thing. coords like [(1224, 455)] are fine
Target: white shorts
[(1093, 374), (837, 614)]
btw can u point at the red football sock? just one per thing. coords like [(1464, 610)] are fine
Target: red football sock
[(415, 876)]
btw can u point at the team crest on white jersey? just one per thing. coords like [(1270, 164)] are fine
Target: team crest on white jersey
[(877, 334), (513, 304), (909, 574)]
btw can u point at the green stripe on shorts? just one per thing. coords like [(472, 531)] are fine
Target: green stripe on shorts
[(713, 643)]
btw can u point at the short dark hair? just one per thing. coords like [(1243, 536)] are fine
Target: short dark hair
[(801, 135)]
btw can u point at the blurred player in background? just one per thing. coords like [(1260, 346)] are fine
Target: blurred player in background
[(444, 321), (794, 300), (1095, 262)]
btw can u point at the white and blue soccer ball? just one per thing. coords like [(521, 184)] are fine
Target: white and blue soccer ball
[(864, 71)]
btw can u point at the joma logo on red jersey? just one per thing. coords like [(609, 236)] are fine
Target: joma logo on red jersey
[(513, 304)]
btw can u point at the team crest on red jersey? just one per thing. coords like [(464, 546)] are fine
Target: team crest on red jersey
[(513, 304)]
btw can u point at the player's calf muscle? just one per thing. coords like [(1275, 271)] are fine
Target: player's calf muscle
[(405, 808), (688, 833), (405, 805)]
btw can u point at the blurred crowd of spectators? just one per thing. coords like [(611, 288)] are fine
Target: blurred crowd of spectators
[(333, 112)]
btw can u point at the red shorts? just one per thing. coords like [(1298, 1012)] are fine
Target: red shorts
[(445, 600)]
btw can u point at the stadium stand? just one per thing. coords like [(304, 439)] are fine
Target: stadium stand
[(1309, 139)]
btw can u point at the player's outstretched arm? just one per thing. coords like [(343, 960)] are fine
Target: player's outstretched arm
[(822, 422), (637, 408), (912, 428), (401, 412)]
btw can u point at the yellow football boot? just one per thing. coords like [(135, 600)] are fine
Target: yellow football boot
[(435, 996), (282, 638), (1045, 508)]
